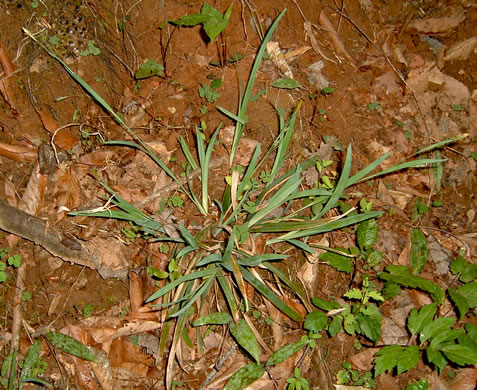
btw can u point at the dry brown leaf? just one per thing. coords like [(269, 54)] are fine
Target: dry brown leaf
[(130, 357), (278, 59), (113, 256), (10, 193), (335, 40), (437, 25), (363, 361), (466, 379), (62, 138), (388, 382), (18, 153), (6, 83), (68, 190), (99, 157), (461, 50)]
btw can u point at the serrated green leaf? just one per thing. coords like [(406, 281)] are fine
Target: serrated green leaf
[(367, 233), (408, 359), (469, 292), (376, 295), (245, 376), (440, 324), (286, 83), (246, 338), (416, 321), (460, 302), (341, 263), (219, 318), (401, 275), (437, 358), (285, 352), (370, 326), (467, 271), (315, 321), (70, 345), (386, 359), (460, 354), (31, 360), (323, 304), (354, 293), (335, 326), (419, 251), (445, 336), (471, 331), (423, 384)]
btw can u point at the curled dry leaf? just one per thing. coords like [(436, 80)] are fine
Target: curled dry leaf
[(62, 138), (18, 153), (461, 50), (437, 25), (278, 58)]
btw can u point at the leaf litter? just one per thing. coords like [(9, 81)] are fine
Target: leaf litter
[(128, 335)]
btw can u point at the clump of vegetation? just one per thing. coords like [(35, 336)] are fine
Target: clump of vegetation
[(259, 201)]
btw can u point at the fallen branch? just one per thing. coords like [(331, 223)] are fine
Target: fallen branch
[(16, 221)]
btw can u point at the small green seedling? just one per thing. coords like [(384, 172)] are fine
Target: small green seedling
[(92, 49), (348, 376), (208, 93), (373, 106), (322, 164), (149, 69), (327, 90), (297, 382)]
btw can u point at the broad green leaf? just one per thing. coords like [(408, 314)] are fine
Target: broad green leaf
[(460, 354), (419, 251), (220, 318), (370, 326), (31, 359), (367, 233), (285, 352), (460, 302), (437, 358), (440, 324), (323, 304), (416, 321), (315, 321), (408, 359), (335, 326), (245, 376), (339, 262), (401, 275), (286, 83), (423, 384), (70, 345), (386, 359), (445, 336), (245, 337), (467, 271), (469, 292)]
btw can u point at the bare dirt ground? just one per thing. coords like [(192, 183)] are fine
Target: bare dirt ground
[(403, 77)]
